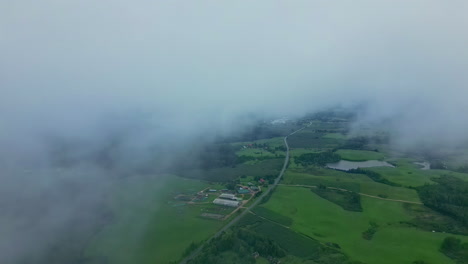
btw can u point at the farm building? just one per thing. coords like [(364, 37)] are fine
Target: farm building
[(228, 196), (243, 191), (226, 202)]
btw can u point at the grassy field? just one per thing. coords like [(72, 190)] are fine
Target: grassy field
[(359, 155), (339, 136), (327, 222), (349, 181), (309, 139), (149, 226), (409, 174), (299, 151)]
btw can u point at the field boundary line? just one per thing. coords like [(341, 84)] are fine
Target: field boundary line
[(274, 222), (345, 190)]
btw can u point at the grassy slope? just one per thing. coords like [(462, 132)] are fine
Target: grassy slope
[(146, 228), (328, 222)]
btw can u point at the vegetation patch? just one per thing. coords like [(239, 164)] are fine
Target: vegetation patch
[(430, 220), (273, 216), (297, 244), (316, 181), (317, 159), (453, 248), (244, 244), (359, 155), (307, 139), (449, 197), (369, 233), (226, 174), (358, 143), (374, 176), (350, 201)]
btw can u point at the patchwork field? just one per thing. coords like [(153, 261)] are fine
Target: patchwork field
[(149, 226), (327, 222)]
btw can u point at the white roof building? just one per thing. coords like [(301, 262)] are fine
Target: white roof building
[(226, 202), (228, 196)]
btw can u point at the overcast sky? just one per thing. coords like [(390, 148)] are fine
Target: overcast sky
[(66, 64), (77, 68)]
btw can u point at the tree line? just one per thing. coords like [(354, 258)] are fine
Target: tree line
[(449, 197), (317, 159)]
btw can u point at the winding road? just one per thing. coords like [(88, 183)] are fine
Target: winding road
[(255, 203)]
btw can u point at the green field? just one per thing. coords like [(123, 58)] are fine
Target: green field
[(308, 139), (327, 222), (409, 174), (359, 155), (149, 226), (259, 153), (299, 151), (349, 181)]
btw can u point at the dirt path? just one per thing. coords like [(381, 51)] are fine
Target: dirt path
[(344, 190)]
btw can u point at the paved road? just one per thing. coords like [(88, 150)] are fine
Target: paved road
[(255, 203)]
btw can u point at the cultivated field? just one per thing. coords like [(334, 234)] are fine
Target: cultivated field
[(149, 225), (327, 222)]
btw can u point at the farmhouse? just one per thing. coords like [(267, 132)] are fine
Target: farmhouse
[(226, 202)]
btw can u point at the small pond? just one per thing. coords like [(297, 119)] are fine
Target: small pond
[(348, 165)]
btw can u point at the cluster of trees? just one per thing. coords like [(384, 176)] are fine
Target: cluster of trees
[(358, 143), (331, 116), (462, 169), (374, 176), (369, 233), (453, 248), (449, 197), (362, 142), (243, 243), (350, 201), (270, 178), (245, 158), (217, 155), (317, 159), (437, 164)]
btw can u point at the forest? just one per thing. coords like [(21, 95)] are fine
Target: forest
[(449, 196)]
